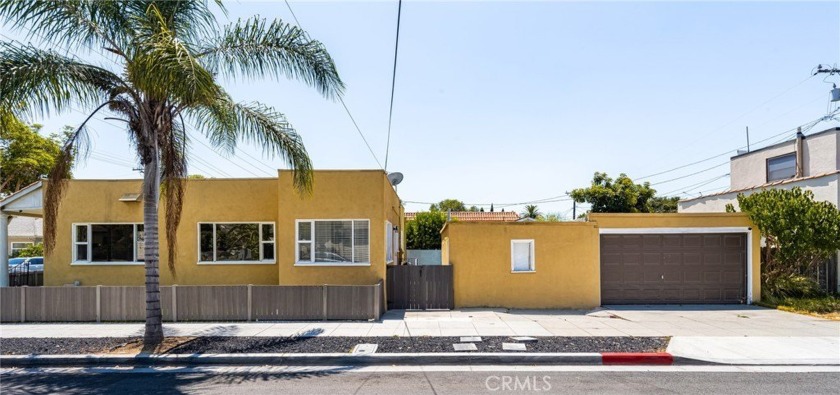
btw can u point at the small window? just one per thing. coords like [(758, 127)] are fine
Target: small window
[(781, 167), (389, 242), (333, 242), (18, 246), (108, 243), (522, 256), (236, 242)]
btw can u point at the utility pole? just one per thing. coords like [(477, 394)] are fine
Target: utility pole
[(748, 139), (574, 210)]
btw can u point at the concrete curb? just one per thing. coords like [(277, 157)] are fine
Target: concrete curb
[(340, 359)]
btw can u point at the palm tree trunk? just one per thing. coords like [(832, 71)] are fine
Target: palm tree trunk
[(151, 192)]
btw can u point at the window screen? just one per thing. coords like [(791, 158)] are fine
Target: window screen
[(522, 256), (781, 167)]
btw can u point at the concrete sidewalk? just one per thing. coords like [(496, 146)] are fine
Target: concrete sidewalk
[(702, 321)]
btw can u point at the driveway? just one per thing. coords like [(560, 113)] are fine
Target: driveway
[(687, 320)]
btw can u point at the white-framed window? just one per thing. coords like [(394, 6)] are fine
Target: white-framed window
[(236, 242), (108, 243), (17, 246), (333, 242), (781, 167), (522, 256)]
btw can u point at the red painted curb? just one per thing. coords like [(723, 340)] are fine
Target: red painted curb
[(636, 358)]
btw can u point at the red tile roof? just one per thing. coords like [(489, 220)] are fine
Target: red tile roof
[(477, 216)]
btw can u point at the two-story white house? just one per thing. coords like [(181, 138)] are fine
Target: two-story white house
[(811, 162)]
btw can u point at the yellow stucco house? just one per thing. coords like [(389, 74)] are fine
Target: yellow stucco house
[(235, 231)]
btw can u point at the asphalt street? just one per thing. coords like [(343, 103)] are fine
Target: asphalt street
[(447, 380)]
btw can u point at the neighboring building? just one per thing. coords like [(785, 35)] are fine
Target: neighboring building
[(608, 259), (810, 162), (234, 231), (24, 232), (476, 216)]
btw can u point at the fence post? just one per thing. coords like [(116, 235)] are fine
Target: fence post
[(174, 303), (22, 304), (98, 303), (250, 300), (377, 292), (324, 300)]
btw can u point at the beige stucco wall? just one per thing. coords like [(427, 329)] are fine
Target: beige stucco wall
[(337, 195), (824, 188), (820, 155)]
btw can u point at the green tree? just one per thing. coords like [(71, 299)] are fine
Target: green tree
[(663, 204), (36, 249), (551, 217), (25, 155), (423, 232), (531, 211), (799, 233), (621, 195), (449, 205), (169, 58)]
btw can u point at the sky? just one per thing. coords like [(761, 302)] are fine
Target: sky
[(512, 102)]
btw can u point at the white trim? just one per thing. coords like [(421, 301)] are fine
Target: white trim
[(532, 258), (734, 229), (316, 264), (311, 242), (259, 224), (694, 230)]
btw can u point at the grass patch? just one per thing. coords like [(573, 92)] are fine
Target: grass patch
[(823, 306)]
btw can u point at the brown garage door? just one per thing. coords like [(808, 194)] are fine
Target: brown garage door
[(673, 268)]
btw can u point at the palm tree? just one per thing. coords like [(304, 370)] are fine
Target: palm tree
[(168, 56), (531, 211)]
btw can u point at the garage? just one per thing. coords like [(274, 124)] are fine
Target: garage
[(673, 267)]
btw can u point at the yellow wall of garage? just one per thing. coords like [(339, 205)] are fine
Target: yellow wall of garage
[(566, 256), (359, 194), (690, 220)]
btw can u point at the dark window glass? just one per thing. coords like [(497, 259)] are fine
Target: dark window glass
[(268, 251), (267, 232), (81, 233), (237, 242), (781, 167), (81, 252), (206, 236), (112, 243)]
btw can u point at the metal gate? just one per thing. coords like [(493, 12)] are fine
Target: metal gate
[(420, 287)]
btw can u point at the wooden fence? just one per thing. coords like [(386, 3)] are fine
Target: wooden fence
[(193, 303), (420, 287)]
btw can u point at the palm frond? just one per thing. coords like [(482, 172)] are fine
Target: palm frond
[(76, 146), (174, 175), (72, 23), (225, 123), (255, 48), (163, 67), (44, 80), (189, 20)]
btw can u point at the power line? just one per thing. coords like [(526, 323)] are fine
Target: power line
[(393, 83), (343, 104), (692, 174)]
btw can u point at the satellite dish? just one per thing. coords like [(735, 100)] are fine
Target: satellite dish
[(395, 178)]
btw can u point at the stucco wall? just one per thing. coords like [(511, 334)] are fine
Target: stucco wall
[(825, 189), (210, 200), (566, 258), (336, 195), (820, 155), (701, 220)]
